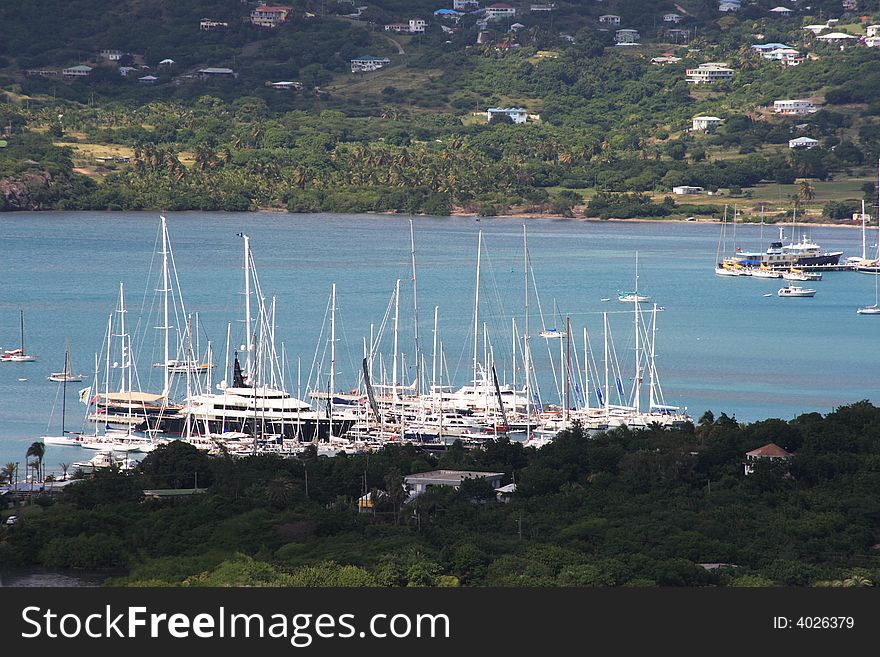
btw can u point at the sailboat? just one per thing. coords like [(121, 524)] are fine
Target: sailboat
[(67, 438), (18, 355), (67, 374), (634, 297), (875, 309), (725, 266)]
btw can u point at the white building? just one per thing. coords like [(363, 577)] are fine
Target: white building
[(208, 24), (802, 142), (836, 37), (671, 18), (728, 5), (270, 16), (872, 30), (418, 483), (542, 7), (465, 5), (500, 11), (793, 107), (681, 190), (788, 56), (609, 19), (708, 73), (705, 123), (815, 29), (626, 36), (873, 42), (111, 55), (81, 71), (517, 114), (417, 25), (368, 63), (781, 11)]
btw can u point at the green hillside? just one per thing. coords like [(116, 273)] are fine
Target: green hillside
[(608, 133)]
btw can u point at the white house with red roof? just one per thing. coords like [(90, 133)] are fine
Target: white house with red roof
[(769, 452), (270, 15)]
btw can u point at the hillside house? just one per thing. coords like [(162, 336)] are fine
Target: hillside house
[(500, 11), (782, 12), (81, 71), (705, 123), (216, 73), (665, 58), (208, 24), (418, 483), (677, 35), (681, 190), (872, 30), (770, 452), (872, 42), (672, 18), (465, 5), (839, 38), (367, 63), (729, 5), (397, 27), (286, 85), (794, 107), (709, 73), (788, 56), (270, 16), (110, 55), (802, 142), (125, 70), (166, 63), (148, 79), (815, 29), (609, 19), (542, 8), (516, 114), (626, 37)]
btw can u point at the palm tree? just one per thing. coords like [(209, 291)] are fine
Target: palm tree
[(857, 580), (278, 491), (9, 472), (806, 191), (64, 468), (38, 451)]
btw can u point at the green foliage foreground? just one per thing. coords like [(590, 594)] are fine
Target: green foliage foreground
[(625, 508)]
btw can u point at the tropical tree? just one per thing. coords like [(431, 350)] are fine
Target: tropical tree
[(806, 191), (38, 451)]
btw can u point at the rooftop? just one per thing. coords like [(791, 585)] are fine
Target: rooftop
[(771, 450)]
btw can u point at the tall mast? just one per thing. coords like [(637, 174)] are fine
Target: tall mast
[(227, 382), (638, 379), (864, 252), (166, 387), (396, 317), (247, 302), (607, 391), (64, 383), (526, 332), (878, 209), (513, 354), (332, 340), (412, 242), (653, 343), (434, 351), (21, 326), (586, 373), (477, 307), (126, 374), (567, 377)]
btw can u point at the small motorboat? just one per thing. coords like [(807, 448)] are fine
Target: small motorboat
[(633, 297), (795, 274), (796, 291), (869, 310)]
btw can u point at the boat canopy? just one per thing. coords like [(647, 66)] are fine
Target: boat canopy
[(131, 397)]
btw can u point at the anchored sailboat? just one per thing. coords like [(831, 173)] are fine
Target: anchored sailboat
[(18, 355)]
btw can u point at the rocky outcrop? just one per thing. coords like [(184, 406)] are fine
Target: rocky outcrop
[(25, 191)]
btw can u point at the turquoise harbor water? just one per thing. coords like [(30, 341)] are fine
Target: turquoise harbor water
[(720, 343)]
